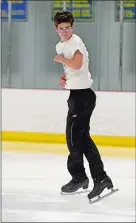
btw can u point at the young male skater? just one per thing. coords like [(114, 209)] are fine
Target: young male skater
[(73, 55)]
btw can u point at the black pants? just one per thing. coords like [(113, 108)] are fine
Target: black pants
[(81, 104)]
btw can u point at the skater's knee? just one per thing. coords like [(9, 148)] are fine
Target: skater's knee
[(75, 156), (75, 159)]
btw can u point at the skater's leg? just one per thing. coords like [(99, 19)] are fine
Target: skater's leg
[(100, 178), (87, 145), (75, 163), (91, 152), (75, 159)]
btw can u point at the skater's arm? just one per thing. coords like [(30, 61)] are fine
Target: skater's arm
[(75, 62)]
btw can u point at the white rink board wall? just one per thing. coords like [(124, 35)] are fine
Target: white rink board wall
[(46, 110)]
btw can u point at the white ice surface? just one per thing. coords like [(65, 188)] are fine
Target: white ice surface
[(31, 191)]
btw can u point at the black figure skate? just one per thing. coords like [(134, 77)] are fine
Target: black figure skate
[(74, 187), (99, 186)]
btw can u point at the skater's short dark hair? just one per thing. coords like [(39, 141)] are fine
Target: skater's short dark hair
[(63, 16)]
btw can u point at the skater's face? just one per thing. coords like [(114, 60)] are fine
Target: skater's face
[(64, 30)]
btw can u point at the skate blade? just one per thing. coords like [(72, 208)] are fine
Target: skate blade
[(99, 198), (80, 191)]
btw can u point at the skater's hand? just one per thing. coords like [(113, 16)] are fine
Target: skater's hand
[(58, 58), (62, 80)]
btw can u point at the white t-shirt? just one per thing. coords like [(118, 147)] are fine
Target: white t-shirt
[(75, 79)]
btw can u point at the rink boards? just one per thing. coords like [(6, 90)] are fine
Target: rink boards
[(39, 116)]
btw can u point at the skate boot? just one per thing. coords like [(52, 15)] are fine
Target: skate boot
[(74, 187), (99, 186)]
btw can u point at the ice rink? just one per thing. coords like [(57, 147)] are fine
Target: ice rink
[(31, 190)]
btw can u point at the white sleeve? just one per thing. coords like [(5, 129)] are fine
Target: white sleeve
[(77, 45), (58, 49)]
